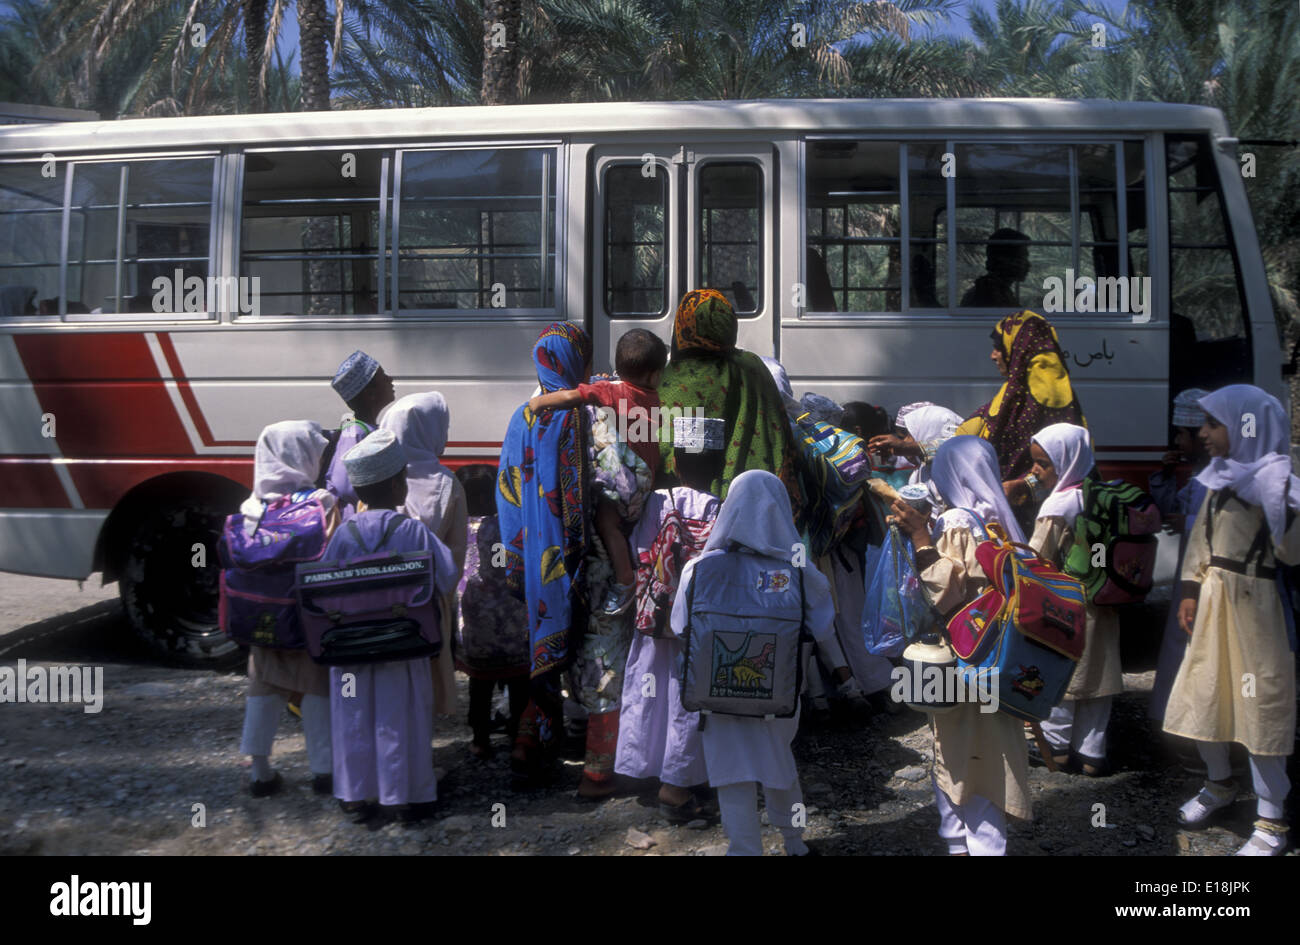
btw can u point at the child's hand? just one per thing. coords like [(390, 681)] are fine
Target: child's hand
[(1176, 522), (1187, 615), (1171, 458), (910, 522)]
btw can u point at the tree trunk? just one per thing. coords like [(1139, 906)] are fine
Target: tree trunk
[(501, 52), (254, 49), (313, 33), (318, 234)]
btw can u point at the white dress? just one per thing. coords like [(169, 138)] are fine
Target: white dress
[(742, 749)]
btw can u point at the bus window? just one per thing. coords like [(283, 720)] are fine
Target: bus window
[(31, 219), (636, 214), (853, 227), (477, 229), (132, 222), (927, 204), (730, 233), (1013, 222), (310, 231), (1209, 344)]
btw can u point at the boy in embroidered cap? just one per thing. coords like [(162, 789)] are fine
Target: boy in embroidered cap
[(1179, 507), (382, 712), (367, 390)]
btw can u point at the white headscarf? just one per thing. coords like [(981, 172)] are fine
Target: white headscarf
[(966, 474), (287, 459), (777, 370), (421, 422), (1067, 446), (756, 514), (931, 426), (1258, 467), (906, 409)]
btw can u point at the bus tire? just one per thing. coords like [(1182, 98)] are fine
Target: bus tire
[(170, 601)]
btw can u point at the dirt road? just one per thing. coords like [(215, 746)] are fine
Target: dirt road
[(158, 771)]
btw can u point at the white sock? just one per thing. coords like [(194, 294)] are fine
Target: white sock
[(316, 728)]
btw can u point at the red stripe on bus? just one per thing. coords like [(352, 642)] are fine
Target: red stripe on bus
[(132, 416), (190, 400), (102, 484), (31, 483)]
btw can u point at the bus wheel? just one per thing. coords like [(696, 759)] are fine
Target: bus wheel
[(169, 586)]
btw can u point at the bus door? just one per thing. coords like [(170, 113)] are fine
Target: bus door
[(671, 219)]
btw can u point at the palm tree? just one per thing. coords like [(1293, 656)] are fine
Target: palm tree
[(502, 22), (182, 56)]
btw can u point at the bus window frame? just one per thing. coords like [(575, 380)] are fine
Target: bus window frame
[(68, 165), (236, 217), (559, 157), (661, 157), (954, 311), (695, 224)]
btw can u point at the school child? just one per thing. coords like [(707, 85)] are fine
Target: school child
[(492, 637), (657, 737), (1237, 680), (434, 497), (741, 753), (1076, 729), (1179, 508), (286, 462), (383, 711), (367, 390), (640, 359), (981, 766)]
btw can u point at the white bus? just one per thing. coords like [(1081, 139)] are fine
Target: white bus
[(849, 234)]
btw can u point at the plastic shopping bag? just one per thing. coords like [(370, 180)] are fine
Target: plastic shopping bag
[(896, 611)]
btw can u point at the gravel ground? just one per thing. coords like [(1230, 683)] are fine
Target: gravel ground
[(126, 780)]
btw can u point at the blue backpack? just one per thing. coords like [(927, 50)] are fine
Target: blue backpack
[(745, 623)]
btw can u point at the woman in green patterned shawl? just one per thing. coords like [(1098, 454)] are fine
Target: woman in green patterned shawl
[(709, 374)]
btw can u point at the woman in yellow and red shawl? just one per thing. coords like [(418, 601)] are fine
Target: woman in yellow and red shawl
[(707, 372), (1036, 393)]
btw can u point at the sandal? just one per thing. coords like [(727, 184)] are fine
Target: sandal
[(1093, 767), (1269, 839), (684, 813), (1212, 797), (1062, 760)]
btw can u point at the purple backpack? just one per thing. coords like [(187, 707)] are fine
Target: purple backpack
[(257, 606), (370, 608)]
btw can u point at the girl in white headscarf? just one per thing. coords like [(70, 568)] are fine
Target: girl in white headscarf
[(287, 462), (740, 753), (981, 766), (434, 496), (1063, 458), (1237, 680)]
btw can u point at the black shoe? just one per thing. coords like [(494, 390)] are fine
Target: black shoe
[(322, 783), (266, 788), (358, 812), (415, 813)]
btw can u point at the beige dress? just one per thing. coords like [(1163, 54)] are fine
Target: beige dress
[(1237, 680), (975, 753), (1098, 674)]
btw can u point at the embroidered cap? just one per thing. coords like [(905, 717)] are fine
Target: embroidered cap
[(376, 458), (354, 374), (695, 434), (1187, 410)]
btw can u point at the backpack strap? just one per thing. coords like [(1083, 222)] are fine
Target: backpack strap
[(327, 458), (393, 525)]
